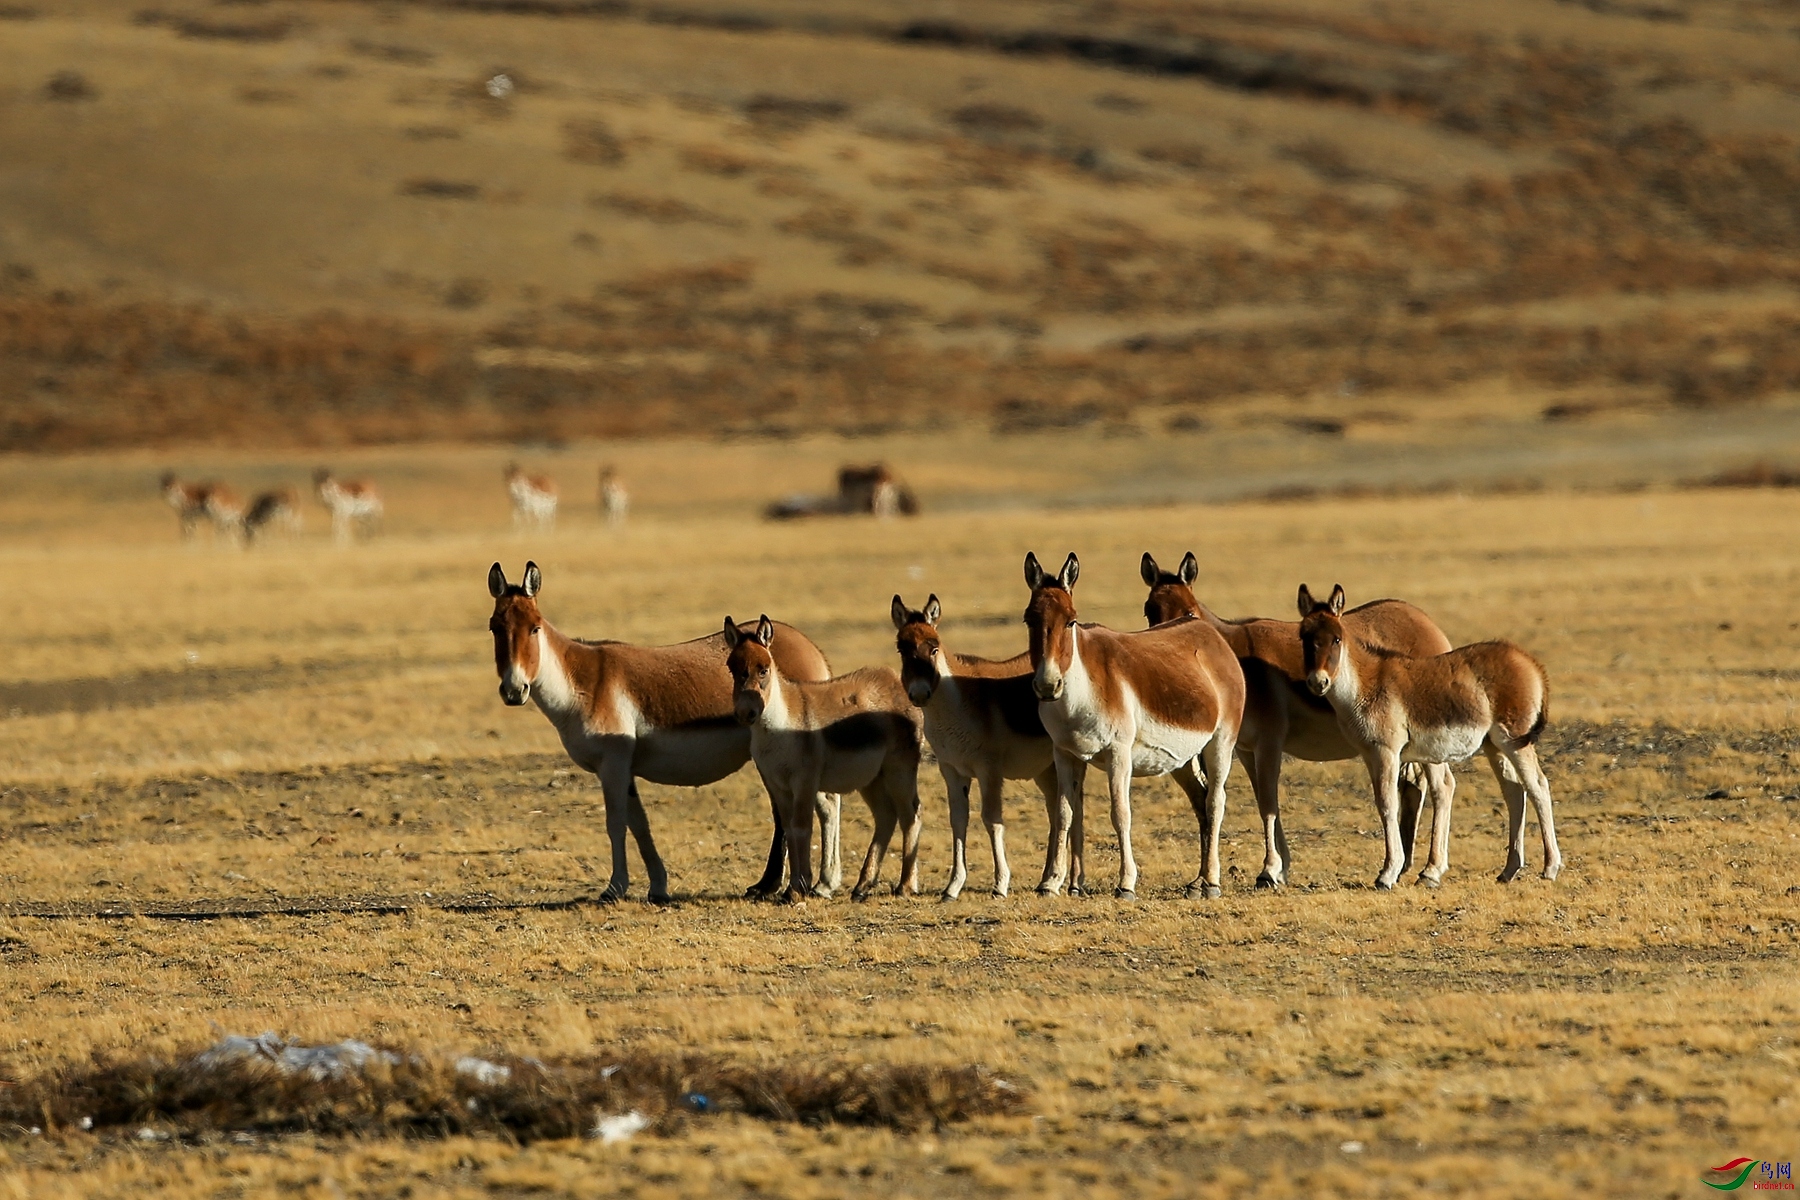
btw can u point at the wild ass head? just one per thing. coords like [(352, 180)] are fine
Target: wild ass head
[(1051, 619), (921, 651), (1171, 595), (752, 668), (1321, 638), (515, 624)]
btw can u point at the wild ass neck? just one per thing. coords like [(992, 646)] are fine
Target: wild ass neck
[(553, 690)]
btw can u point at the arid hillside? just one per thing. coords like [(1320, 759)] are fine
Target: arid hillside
[(294, 222)]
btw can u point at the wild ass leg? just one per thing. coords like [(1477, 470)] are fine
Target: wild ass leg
[(770, 883), (1441, 782), (1217, 757), (797, 820), (616, 785), (1118, 781), (902, 787), (1412, 804), (882, 808), (1264, 765), (1514, 791), (1537, 786), (957, 785), (639, 821), (1384, 774), (1192, 780), (830, 807), (1070, 772), (993, 815)]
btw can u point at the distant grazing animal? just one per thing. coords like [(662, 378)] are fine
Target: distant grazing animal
[(1491, 696), (1280, 715), (277, 510), (354, 505), (872, 490), (662, 713), (981, 718), (533, 498), (614, 500), (1163, 701), (207, 501), (857, 732)]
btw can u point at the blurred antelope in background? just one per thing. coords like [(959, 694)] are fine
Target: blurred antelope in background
[(1162, 701), (854, 733), (614, 500), (1394, 708), (275, 511), (981, 718), (533, 498), (1281, 716), (207, 501), (354, 505)]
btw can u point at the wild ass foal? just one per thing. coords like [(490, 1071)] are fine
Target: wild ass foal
[(662, 713), (1165, 701), (1490, 696), (1281, 715), (981, 718), (856, 733)]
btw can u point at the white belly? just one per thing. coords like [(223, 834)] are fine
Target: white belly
[(1159, 749), (1446, 744)]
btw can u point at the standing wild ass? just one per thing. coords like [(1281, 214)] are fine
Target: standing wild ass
[(981, 718), (856, 732), (1281, 716), (661, 713), (1164, 701), (208, 501), (1490, 696)]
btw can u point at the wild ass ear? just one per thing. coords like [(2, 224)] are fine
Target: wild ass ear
[(1070, 572), (732, 636), (933, 610), (496, 581), (1149, 570), (898, 612), (1189, 570), (534, 579), (1306, 602), (1336, 603), (1034, 574), (765, 631)]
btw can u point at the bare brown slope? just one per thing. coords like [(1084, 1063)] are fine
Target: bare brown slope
[(327, 222)]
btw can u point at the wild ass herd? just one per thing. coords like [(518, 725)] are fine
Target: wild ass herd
[(1181, 698)]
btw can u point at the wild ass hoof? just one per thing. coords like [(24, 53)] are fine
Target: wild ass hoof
[(1203, 891), (661, 901), (1552, 871), (1383, 885), (948, 896), (757, 891), (1001, 892), (1508, 874), (823, 891), (1428, 881), (1124, 894), (794, 897), (1267, 882)]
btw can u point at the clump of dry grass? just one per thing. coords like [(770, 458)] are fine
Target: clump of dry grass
[(250, 1086)]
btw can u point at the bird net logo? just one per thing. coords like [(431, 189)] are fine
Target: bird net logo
[(1761, 1174)]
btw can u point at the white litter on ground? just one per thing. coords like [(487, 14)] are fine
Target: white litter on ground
[(482, 1071), (1351, 1147), (334, 1061), (619, 1128)]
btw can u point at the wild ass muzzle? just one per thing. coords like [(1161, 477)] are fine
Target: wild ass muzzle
[(1491, 696), (625, 713), (1281, 716), (981, 718), (855, 733), (1165, 701)]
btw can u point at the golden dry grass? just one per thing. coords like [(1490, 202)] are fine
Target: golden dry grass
[(339, 740)]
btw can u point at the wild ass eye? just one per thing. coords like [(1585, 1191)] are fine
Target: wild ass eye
[(536, 629)]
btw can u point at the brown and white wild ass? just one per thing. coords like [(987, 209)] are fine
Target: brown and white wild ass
[(1491, 696), (207, 501), (1163, 701), (662, 713), (274, 510), (855, 733), (1281, 715), (354, 504), (981, 718), (533, 498), (615, 501)]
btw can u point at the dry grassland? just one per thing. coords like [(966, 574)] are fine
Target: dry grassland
[(194, 729)]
